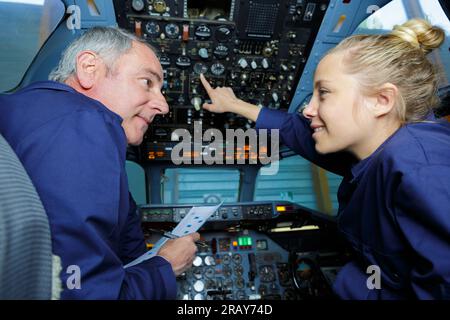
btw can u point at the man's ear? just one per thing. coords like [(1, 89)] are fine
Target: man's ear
[(385, 99), (88, 65)]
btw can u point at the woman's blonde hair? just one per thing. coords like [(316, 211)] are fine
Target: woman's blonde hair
[(398, 58)]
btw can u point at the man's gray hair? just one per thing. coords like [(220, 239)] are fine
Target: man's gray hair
[(110, 43)]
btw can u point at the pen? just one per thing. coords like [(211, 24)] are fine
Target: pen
[(173, 236)]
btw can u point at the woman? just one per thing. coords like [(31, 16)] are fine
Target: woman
[(370, 120)]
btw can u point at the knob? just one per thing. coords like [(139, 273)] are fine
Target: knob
[(203, 53), (265, 63), (242, 63), (275, 97), (199, 286), (254, 65), (284, 67), (138, 5), (196, 102), (197, 261)]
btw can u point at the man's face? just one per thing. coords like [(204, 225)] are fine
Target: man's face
[(132, 89)]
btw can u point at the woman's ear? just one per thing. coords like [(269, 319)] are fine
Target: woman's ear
[(385, 99), (87, 68)]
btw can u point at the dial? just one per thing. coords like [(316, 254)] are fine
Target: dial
[(221, 51), (209, 273), (237, 258), (202, 32), (223, 34), (217, 69), (199, 286), (183, 62), (200, 67), (172, 30), (210, 261), (159, 6), (203, 53), (152, 28), (197, 261), (226, 259), (266, 274), (226, 271), (239, 270), (137, 5)]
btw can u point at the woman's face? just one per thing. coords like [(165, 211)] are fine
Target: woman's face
[(336, 109)]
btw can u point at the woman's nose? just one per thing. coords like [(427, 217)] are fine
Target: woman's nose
[(310, 111)]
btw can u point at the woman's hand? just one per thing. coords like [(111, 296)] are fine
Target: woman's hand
[(222, 98)]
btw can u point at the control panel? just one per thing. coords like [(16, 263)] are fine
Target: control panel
[(255, 250), (258, 48)]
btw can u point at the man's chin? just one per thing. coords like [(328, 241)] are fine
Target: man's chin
[(135, 141)]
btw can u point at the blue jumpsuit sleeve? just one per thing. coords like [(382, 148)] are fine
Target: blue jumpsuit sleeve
[(132, 243), (79, 172), (295, 132), (422, 210)]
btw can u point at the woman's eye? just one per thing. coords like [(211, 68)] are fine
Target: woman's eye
[(322, 92)]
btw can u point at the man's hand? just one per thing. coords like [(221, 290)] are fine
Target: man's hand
[(180, 252)]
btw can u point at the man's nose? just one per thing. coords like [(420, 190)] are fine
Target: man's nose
[(159, 103)]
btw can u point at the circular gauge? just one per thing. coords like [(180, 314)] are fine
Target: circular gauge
[(223, 34), (197, 261), (200, 68), (266, 274), (209, 273), (239, 270), (199, 286), (226, 259), (152, 28), (137, 5), (159, 6), (183, 62), (202, 32), (237, 258), (199, 296), (217, 69), (172, 30), (221, 51), (239, 283), (226, 271), (210, 261)]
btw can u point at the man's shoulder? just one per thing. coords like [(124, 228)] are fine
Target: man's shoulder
[(45, 105)]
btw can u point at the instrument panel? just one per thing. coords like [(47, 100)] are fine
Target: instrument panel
[(259, 48), (250, 257)]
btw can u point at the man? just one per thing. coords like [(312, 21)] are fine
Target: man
[(68, 134)]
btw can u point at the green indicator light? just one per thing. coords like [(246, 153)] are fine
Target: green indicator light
[(249, 241)]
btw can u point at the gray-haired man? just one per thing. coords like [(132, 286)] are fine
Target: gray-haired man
[(71, 135)]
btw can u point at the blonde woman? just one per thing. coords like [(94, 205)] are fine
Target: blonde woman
[(370, 120)]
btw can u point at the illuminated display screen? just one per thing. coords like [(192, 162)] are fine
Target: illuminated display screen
[(244, 241)]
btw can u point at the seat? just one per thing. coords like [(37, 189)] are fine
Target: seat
[(25, 243)]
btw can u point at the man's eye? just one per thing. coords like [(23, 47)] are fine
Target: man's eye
[(147, 82)]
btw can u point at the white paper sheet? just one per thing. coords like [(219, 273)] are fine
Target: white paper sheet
[(193, 221)]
